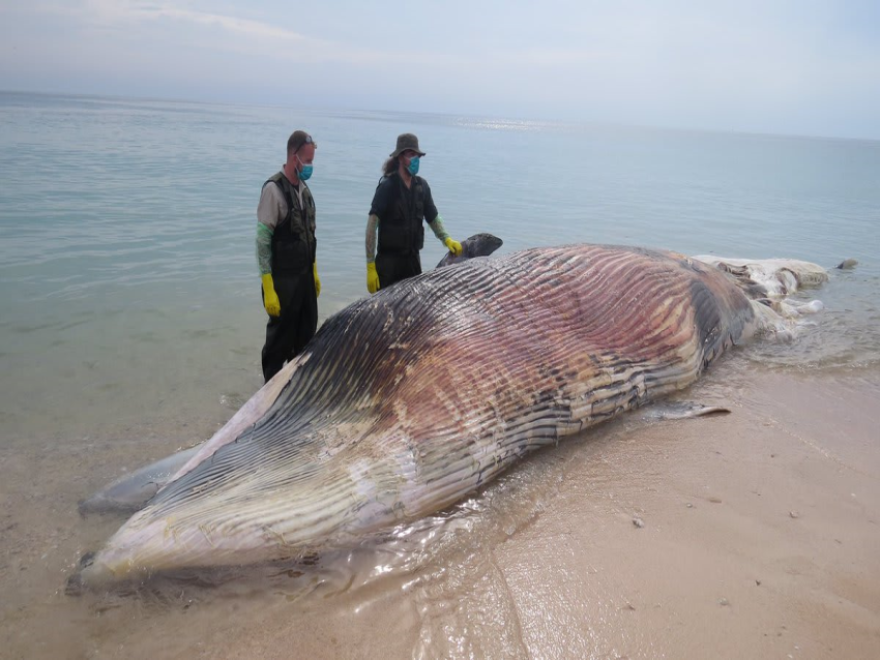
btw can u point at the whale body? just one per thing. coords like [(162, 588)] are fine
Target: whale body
[(406, 401)]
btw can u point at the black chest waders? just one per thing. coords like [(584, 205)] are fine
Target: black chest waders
[(293, 253)]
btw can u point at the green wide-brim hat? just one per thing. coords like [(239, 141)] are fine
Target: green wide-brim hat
[(407, 141)]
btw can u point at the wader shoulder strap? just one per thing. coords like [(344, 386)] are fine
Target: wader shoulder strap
[(284, 186)]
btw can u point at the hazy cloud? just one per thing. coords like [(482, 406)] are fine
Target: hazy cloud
[(811, 66)]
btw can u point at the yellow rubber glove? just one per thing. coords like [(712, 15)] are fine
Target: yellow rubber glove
[(454, 246), (317, 279), (270, 298), (372, 277)]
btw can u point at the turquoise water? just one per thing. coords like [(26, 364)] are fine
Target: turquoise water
[(128, 280)]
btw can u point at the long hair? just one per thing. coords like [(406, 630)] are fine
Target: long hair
[(391, 165)]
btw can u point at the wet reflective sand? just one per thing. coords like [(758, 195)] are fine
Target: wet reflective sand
[(753, 534)]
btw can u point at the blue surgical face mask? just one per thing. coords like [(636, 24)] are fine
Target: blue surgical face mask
[(413, 167), (306, 172)]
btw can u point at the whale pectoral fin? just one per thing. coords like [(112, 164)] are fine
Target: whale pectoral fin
[(478, 245), (132, 491), (681, 410)]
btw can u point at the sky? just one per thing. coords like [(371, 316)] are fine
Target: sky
[(807, 67)]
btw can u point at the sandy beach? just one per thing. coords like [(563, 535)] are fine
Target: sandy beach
[(747, 535)]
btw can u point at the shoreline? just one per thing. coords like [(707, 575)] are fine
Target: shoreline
[(757, 538)]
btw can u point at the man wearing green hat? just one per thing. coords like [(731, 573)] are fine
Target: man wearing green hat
[(286, 249), (401, 202)]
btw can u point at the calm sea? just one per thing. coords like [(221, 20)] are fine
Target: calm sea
[(128, 281)]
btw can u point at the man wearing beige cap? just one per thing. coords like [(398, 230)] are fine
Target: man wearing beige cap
[(401, 202), (286, 249)]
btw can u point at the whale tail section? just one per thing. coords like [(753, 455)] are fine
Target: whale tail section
[(769, 283)]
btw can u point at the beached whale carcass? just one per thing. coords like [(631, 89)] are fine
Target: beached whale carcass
[(410, 399)]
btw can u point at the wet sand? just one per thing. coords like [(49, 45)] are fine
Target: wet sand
[(748, 535)]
